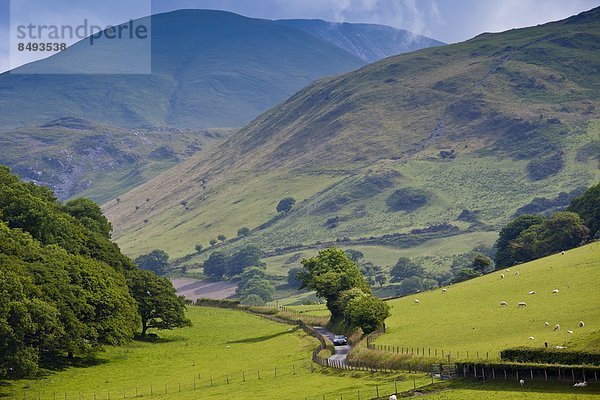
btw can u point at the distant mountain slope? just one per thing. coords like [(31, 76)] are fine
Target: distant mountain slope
[(414, 140), (369, 42), (77, 157), (210, 69)]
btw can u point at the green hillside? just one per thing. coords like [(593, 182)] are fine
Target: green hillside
[(203, 75), (76, 157), (485, 126), (469, 317), (223, 345)]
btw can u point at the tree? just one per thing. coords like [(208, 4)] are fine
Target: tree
[(222, 238), (243, 231), (406, 268), (354, 255), (410, 285), (248, 256), (215, 266), (253, 300), (481, 263), (588, 207), (90, 215), (330, 273), (198, 248), (293, 279), (213, 242), (247, 275), (156, 261), (157, 300), (504, 253), (286, 205), (380, 279), (366, 312), (260, 287), (465, 274)]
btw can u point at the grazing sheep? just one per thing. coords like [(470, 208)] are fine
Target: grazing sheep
[(417, 301), (227, 347), (562, 252), (522, 304), (531, 338), (546, 324), (393, 397), (503, 303), (580, 384), (522, 382), (517, 273), (570, 332), (501, 276), (556, 327), (581, 324), (531, 292), (561, 347), (555, 291), (443, 290), (507, 270)]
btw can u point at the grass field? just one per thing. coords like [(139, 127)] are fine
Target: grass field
[(468, 317), (511, 390), (222, 345)]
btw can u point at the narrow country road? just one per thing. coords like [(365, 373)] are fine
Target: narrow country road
[(341, 352)]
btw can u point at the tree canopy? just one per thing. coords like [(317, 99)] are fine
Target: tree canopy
[(155, 261), (588, 207), (286, 205)]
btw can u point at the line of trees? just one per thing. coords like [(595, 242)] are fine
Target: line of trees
[(531, 236), (65, 288)]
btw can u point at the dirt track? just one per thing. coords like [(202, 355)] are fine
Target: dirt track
[(194, 289)]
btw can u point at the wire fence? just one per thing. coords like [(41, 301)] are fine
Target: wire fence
[(435, 353)]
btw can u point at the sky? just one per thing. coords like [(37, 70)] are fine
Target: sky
[(449, 21)]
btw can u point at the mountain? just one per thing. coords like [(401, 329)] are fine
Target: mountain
[(209, 69), (78, 157), (369, 42), (443, 141)]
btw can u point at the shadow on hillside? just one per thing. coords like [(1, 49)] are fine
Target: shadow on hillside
[(264, 338), (63, 363), (154, 338)]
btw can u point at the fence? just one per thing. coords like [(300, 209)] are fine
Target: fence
[(435, 353), (528, 371)]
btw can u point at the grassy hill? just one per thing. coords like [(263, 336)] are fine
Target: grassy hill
[(485, 126), (203, 75), (469, 317), (76, 157), (225, 346), (369, 42)]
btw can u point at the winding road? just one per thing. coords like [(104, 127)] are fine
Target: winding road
[(341, 352)]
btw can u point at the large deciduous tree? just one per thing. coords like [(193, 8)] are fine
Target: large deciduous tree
[(155, 261)]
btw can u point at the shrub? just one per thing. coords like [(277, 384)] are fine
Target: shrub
[(407, 199), (550, 356), (243, 231)]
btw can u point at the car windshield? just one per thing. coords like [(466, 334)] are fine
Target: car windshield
[(339, 337)]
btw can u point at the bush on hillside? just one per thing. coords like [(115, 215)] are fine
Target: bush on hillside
[(545, 355), (407, 199)]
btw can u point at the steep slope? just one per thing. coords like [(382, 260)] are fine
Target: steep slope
[(369, 42), (209, 69), (74, 156), (484, 126)]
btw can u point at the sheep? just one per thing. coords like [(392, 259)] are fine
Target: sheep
[(522, 304), (417, 301), (580, 384), (531, 338), (561, 347), (517, 273), (581, 324), (501, 276), (393, 397), (227, 347), (556, 327), (522, 382), (443, 290), (546, 324), (503, 303), (507, 270), (570, 332), (555, 291), (562, 252), (531, 292)]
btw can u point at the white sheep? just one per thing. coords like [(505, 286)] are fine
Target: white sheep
[(581, 324), (522, 304), (417, 301), (507, 270), (531, 292), (531, 338), (580, 384), (393, 397), (503, 303), (562, 252), (555, 291), (443, 290), (517, 273), (570, 332), (501, 276), (522, 382), (556, 327), (561, 347), (546, 324)]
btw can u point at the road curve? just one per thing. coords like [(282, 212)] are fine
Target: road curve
[(341, 352)]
